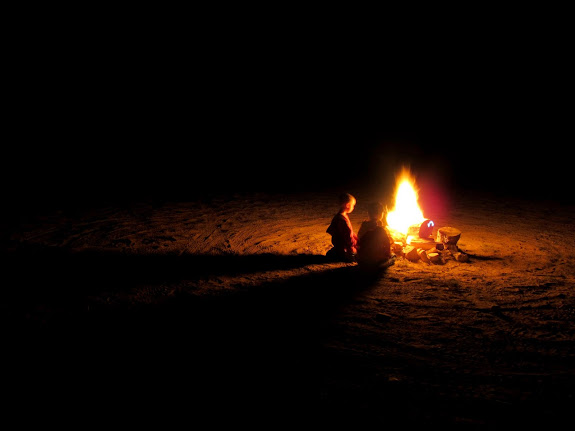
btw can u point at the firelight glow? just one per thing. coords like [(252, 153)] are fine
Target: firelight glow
[(406, 211)]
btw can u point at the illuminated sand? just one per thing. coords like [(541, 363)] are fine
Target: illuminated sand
[(229, 302)]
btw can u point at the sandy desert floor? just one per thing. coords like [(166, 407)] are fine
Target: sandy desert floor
[(225, 308)]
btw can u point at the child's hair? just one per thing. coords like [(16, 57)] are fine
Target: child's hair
[(345, 198), (375, 210)]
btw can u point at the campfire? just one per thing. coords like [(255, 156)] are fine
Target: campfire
[(415, 236)]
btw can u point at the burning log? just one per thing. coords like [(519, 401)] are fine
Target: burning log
[(431, 251), (425, 244), (397, 248), (448, 235), (413, 231), (410, 253)]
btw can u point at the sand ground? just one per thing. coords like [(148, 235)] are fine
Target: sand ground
[(225, 308)]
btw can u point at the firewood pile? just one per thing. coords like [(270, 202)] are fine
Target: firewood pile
[(430, 247)]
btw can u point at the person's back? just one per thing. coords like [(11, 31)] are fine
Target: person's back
[(374, 242)]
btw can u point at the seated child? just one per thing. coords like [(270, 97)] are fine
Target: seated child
[(374, 242), (343, 238)]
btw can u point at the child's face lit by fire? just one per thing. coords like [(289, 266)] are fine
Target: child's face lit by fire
[(350, 206)]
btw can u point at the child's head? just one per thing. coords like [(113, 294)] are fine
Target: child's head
[(375, 211), (347, 202)]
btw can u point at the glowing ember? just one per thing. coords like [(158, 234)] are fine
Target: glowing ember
[(406, 211)]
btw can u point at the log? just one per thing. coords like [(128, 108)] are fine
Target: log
[(423, 255), (435, 258), (395, 235), (397, 248), (426, 244), (413, 230), (410, 253), (461, 257), (448, 235), (452, 248)]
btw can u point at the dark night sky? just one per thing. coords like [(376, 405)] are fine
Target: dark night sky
[(160, 124), (308, 134)]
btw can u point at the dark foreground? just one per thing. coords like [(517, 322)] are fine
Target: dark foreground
[(271, 356)]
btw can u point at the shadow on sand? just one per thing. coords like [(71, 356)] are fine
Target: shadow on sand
[(251, 346), (48, 273)]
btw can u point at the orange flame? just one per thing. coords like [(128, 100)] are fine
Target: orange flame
[(406, 211)]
